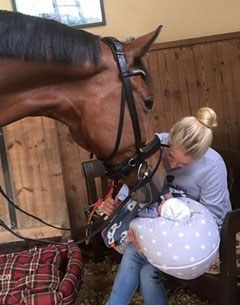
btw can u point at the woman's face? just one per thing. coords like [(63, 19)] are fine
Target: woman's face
[(175, 157)]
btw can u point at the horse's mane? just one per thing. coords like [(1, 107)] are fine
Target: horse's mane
[(28, 37)]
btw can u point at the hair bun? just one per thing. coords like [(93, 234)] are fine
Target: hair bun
[(207, 117)]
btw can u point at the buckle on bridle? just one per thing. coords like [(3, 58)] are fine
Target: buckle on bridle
[(142, 172), (132, 162)]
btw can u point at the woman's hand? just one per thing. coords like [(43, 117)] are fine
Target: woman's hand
[(108, 206)]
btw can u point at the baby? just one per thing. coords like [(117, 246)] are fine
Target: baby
[(175, 210), (177, 235), (167, 207)]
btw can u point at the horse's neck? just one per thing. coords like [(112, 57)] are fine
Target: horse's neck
[(16, 75), (33, 89)]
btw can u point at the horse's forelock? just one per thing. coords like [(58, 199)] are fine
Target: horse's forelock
[(30, 37)]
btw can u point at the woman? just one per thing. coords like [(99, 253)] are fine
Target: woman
[(193, 167)]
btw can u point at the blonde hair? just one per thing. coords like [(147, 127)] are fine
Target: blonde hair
[(194, 134)]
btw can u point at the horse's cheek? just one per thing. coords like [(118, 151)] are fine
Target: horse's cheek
[(159, 177)]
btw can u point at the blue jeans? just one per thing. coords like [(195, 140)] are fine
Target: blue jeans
[(135, 271)]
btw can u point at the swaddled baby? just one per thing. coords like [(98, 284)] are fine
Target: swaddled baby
[(183, 241), (178, 235)]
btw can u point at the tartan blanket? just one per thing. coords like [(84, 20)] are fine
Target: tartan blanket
[(48, 275)]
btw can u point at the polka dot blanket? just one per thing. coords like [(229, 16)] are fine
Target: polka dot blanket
[(182, 249)]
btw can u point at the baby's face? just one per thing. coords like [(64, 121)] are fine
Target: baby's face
[(175, 157)]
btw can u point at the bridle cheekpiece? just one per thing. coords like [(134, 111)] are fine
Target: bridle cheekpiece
[(142, 152)]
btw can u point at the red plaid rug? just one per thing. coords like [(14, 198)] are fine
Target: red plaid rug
[(41, 276)]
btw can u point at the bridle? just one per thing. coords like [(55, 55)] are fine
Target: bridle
[(137, 162), (142, 152)]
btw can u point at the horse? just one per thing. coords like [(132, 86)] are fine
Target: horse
[(82, 80)]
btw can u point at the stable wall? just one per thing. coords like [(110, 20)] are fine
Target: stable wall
[(186, 75), (181, 19)]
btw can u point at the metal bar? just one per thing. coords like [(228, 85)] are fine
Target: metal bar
[(7, 180)]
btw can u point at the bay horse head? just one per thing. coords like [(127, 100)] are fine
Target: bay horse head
[(75, 77)]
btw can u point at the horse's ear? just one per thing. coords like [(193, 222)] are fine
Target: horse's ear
[(139, 46)]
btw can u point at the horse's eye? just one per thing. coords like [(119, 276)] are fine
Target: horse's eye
[(149, 103)]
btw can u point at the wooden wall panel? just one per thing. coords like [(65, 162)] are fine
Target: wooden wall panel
[(194, 73), (72, 158), (36, 173)]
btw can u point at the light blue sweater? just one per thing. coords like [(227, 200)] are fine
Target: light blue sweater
[(204, 180)]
